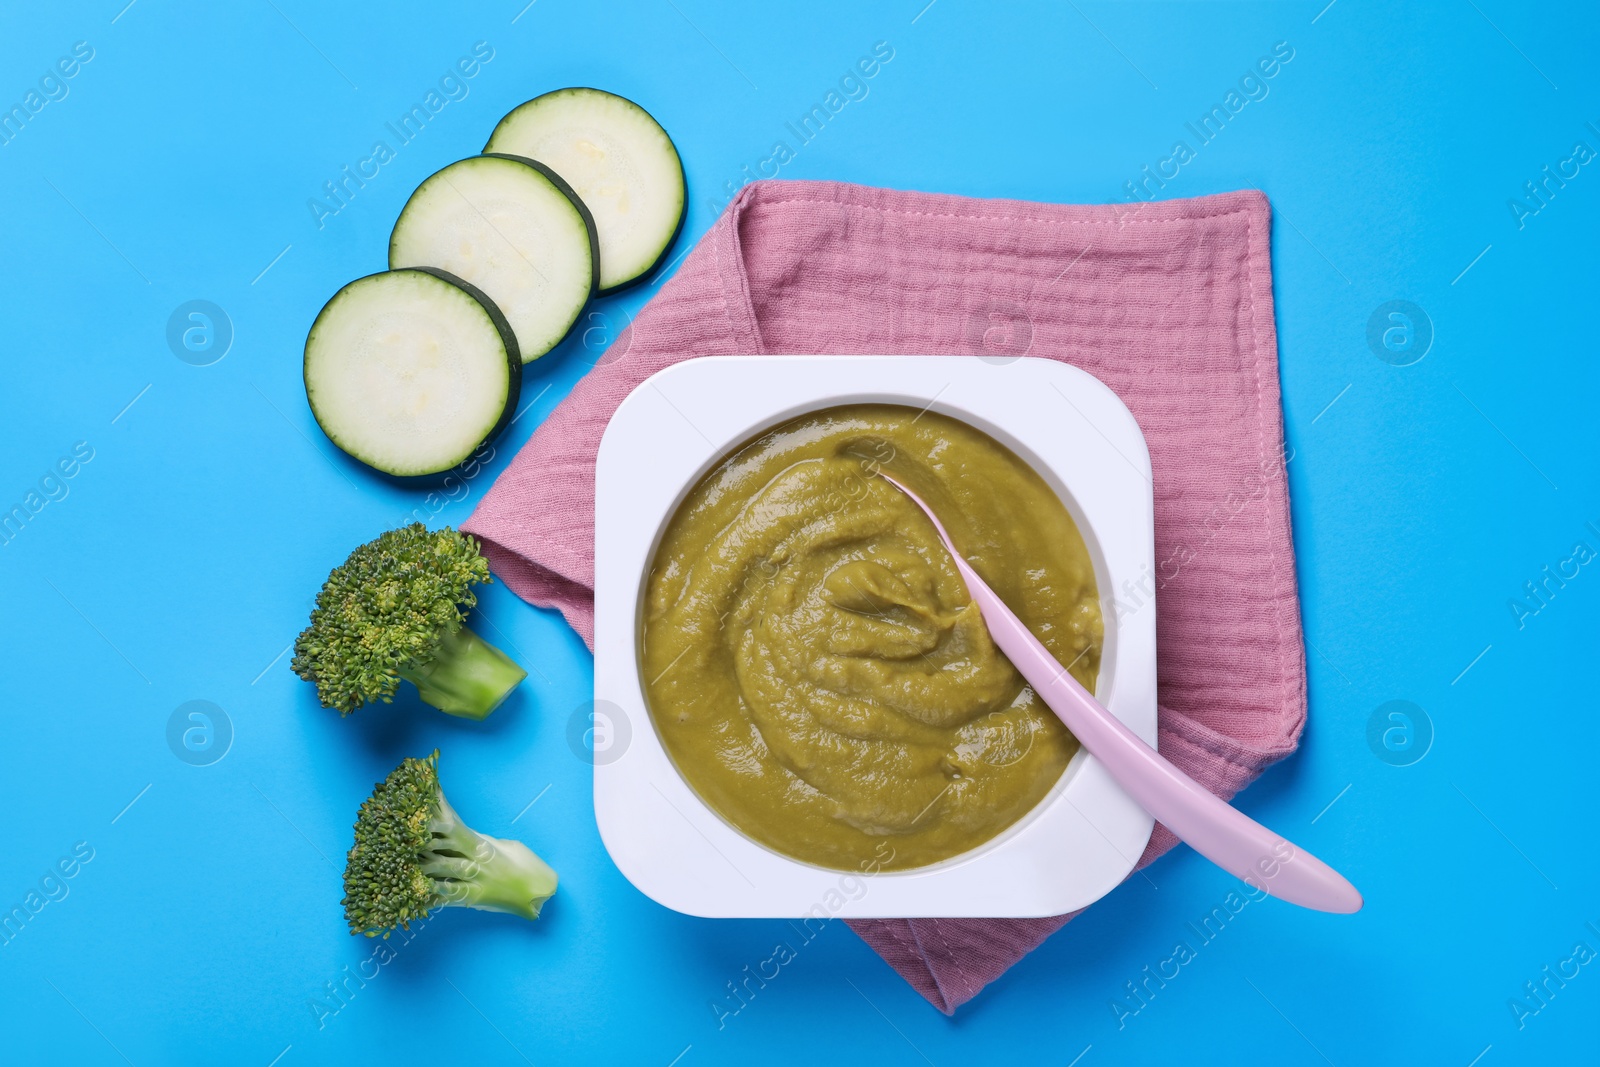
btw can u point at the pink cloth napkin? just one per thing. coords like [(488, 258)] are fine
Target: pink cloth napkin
[(1170, 304)]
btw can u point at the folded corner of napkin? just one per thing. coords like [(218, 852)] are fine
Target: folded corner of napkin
[(1167, 302)]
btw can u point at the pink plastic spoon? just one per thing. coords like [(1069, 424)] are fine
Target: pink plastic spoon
[(1212, 827)]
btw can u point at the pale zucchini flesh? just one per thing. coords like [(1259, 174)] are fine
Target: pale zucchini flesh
[(410, 371)]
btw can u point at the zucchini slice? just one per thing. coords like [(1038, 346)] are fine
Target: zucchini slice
[(622, 164), (515, 230), (410, 371)]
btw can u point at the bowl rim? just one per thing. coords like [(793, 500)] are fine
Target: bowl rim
[(1080, 840)]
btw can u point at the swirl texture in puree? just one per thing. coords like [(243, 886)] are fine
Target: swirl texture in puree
[(813, 662)]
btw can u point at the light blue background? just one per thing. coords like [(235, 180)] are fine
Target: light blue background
[(184, 557)]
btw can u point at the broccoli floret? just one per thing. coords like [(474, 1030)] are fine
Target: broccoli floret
[(414, 854), (394, 610)]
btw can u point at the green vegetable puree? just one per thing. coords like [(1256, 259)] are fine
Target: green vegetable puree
[(811, 657)]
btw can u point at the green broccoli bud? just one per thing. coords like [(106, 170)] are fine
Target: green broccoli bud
[(413, 854), (395, 609)]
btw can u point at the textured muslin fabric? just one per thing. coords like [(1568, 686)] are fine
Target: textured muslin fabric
[(1170, 304)]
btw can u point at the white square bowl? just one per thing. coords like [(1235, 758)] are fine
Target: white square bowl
[(1077, 843)]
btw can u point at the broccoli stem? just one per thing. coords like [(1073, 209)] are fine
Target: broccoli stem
[(473, 870), (467, 676)]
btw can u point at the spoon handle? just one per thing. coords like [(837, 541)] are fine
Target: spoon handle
[(1212, 827)]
